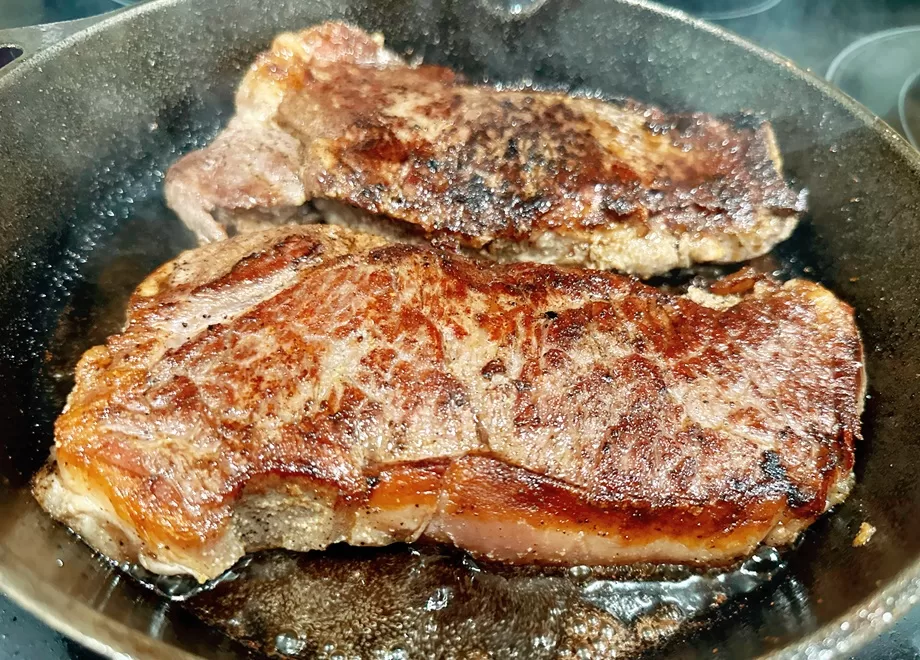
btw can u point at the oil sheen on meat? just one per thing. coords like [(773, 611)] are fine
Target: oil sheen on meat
[(308, 385), (329, 114)]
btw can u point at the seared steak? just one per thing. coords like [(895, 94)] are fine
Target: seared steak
[(517, 174), (308, 385)]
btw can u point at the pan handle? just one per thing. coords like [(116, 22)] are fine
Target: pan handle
[(16, 44)]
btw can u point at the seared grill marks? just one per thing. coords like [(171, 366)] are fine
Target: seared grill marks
[(309, 385), (329, 114)]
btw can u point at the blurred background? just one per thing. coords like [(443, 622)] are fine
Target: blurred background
[(868, 48)]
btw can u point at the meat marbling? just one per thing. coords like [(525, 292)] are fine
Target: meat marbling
[(329, 114), (308, 385)]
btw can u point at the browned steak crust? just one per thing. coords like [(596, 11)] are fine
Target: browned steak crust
[(521, 174), (308, 385)]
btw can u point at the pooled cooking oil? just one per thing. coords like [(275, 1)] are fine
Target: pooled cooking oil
[(431, 601)]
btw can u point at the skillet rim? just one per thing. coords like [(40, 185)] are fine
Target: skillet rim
[(109, 637)]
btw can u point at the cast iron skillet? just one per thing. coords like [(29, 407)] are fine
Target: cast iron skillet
[(87, 128)]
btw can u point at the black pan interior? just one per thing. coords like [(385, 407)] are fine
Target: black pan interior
[(86, 135)]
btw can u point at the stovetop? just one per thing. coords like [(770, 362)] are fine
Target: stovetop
[(869, 48)]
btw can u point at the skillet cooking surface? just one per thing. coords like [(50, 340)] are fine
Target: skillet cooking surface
[(82, 222)]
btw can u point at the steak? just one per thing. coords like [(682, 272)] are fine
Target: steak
[(308, 385), (329, 114)]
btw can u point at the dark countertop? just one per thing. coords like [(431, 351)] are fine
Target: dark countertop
[(810, 32)]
